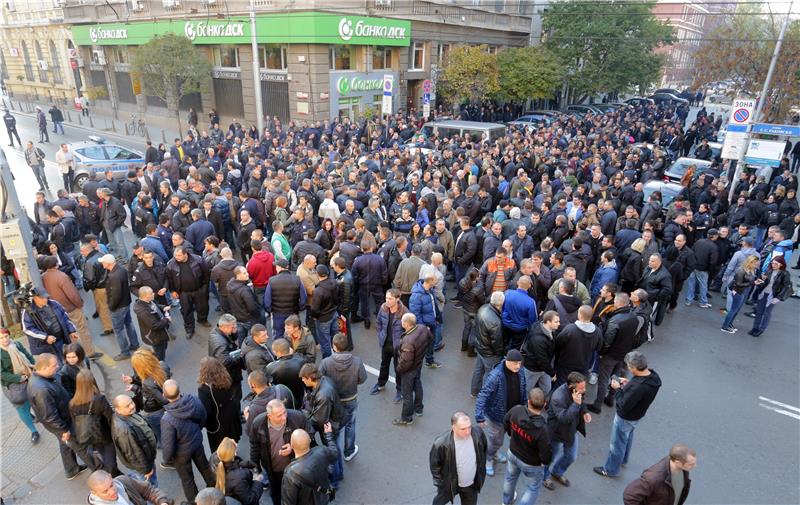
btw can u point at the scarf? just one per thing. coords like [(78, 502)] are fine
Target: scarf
[(19, 362)]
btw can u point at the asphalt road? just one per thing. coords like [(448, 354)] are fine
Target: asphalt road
[(718, 396)]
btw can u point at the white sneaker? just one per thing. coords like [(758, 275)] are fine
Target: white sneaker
[(353, 454)]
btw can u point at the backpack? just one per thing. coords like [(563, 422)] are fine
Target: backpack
[(773, 218), (72, 233)]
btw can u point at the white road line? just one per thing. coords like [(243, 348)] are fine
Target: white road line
[(781, 411), (376, 372), (779, 404)]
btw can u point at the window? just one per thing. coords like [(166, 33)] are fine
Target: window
[(381, 58), (272, 56), (120, 55), (444, 53), (226, 56), (92, 153), (55, 63), (491, 49), (27, 58), (342, 57), (40, 58), (417, 56), (120, 153)]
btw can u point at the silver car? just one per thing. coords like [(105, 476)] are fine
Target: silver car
[(97, 155)]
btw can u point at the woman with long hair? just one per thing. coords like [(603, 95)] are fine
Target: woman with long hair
[(739, 289), (17, 367), (325, 235), (234, 476), (91, 421), (216, 393), (147, 382)]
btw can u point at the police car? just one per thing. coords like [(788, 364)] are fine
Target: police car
[(96, 155)]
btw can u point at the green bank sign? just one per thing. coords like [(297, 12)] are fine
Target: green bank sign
[(294, 28), (345, 84)]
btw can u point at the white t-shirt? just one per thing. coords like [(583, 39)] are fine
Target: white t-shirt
[(466, 461)]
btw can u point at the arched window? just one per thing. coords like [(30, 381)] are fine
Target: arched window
[(27, 61), (40, 58), (55, 64)]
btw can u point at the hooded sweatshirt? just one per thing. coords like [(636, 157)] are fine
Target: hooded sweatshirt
[(182, 428), (529, 439), (633, 399), (576, 344), (346, 371)]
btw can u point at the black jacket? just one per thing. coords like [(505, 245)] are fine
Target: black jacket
[(255, 356), (50, 402), (528, 436), (112, 214), (706, 255), (220, 346), (654, 487), (182, 429), (117, 288), (200, 271), (239, 482), (260, 449), (620, 333), (322, 405), (305, 480), (443, 464), (489, 332), (242, 301), (564, 416), (222, 273), (153, 323), (285, 290), (576, 344), (658, 284), (472, 298), (286, 370), (324, 302), (222, 413), (135, 442), (633, 267), (538, 350), (466, 246), (634, 398), (413, 346), (155, 277), (305, 247)]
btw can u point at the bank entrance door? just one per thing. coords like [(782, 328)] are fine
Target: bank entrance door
[(350, 107)]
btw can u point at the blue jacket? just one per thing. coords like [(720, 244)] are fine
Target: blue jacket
[(491, 402), (783, 247), (154, 245), (422, 304), (197, 232), (369, 271), (519, 310), (37, 336), (382, 325), (604, 275), (182, 428)]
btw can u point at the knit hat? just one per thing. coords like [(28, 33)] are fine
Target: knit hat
[(514, 355)]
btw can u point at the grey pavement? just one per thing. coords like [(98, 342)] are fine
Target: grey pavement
[(717, 396)]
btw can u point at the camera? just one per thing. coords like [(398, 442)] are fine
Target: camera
[(23, 296)]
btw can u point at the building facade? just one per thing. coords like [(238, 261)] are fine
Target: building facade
[(691, 21), (317, 60)]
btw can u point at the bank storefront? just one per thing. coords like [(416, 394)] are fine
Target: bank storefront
[(283, 57)]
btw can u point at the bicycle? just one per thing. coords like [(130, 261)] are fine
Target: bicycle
[(137, 125)]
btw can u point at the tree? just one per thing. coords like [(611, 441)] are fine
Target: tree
[(170, 68), (606, 46), (470, 75), (741, 48), (528, 72)]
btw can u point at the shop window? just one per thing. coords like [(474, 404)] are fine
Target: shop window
[(272, 56), (26, 56), (417, 56), (120, 55), (55, 63), (226, 56), (40, 58), (342, 58), (381, 58)]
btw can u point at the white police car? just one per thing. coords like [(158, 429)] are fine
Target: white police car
[(96, 155)]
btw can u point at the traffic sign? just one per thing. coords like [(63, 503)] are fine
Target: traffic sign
[(777, 129), (733, 148), (742, 111), (388, 87), (426, 99), (427, 86)]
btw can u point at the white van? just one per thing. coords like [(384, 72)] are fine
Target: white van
[(476, 130)]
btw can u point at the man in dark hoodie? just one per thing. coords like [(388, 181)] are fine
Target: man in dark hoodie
[(538, 351), (565, 303), (566, 416), (182, 438), (633, 398), (221, 274), (243, 303), (576, 344), (529, 449), (347, 372)]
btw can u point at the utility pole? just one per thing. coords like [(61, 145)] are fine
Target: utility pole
[(763, 97), (256, 70), (15, 229)]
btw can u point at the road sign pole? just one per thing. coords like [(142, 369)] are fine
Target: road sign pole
[(256, 71), (763, 97)]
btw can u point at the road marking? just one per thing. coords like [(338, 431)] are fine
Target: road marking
[(780, 408), (376, 373)]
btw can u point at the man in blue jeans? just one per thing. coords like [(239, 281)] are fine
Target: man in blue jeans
[(633, 398), (566, 416), (529, 448), (119, 300)]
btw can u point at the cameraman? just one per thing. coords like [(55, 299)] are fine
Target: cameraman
[(46, 323)]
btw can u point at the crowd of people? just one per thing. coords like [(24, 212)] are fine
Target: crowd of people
[(543, 239)]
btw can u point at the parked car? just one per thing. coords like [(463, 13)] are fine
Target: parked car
[(671, 91), (476, 130), (96, 155), (716, 150), (668, 99), (676, 171), (533, 120), (583, 109), (639, 101), (669, 190)]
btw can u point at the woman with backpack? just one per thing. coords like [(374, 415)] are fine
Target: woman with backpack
[(91, 422)]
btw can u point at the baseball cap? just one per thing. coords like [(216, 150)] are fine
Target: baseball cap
[(107, 258), (514, 355), (282, 263)]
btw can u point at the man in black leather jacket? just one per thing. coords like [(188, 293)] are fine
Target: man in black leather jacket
[(323, 408), (50, 403), (305, 480), (444, 465)]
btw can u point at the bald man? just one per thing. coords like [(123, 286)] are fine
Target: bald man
[(305, 479), (123, 489), (134, 440)]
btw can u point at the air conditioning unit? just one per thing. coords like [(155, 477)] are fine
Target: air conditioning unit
[(169, 4), (137, 5), (9, 5), (99, 56), (43, 64)]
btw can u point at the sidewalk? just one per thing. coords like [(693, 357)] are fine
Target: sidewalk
[(95, 123)]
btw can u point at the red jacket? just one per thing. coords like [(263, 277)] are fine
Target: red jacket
[(261, 267)]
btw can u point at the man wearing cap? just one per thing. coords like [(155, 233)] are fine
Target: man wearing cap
[(62, 290), (503, 388), (706, 257), (119, 300), (47, 325)]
